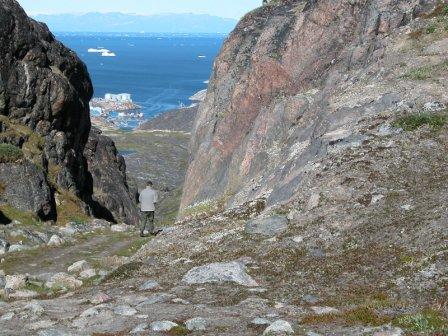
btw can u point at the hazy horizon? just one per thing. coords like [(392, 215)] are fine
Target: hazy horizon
[(115, 22), (232, 9)]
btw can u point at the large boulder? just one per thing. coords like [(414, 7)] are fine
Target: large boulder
[(233, 271), (112, 198), (26, 188)]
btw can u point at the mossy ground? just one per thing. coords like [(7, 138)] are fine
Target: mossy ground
[(69, 208), (25, 218), (412, 122)]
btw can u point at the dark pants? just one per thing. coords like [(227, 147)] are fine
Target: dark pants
[(147, 220)]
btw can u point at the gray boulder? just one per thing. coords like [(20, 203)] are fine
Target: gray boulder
[(125, 310), (271, 226), (26, 189), (4, 246), (163, 326), (279, 327), (196, 324), (233, 271), (149, 285)]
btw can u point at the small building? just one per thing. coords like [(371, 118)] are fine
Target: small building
[(121, 97)]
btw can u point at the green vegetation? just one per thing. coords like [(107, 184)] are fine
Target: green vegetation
[(445, 10), (428, 321), (361, 315), (26, 218), (33, 143), (415, 121), (70, 209), (123, 272), (203, 208), (36, 287), (10, 153), (427, 71), (431, 29), (179, 331), (133, 247), (421, 73)]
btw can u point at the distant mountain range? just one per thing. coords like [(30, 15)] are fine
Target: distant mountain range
[(131, 23)]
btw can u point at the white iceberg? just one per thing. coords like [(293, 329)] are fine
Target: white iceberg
[(99, 50), (108, 54)]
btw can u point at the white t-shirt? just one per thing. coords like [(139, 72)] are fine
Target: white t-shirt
[(148, 198)]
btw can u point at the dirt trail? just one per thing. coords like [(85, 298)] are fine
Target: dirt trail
[(92, 247)]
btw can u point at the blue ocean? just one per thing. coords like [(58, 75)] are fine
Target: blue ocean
[(160, 71)]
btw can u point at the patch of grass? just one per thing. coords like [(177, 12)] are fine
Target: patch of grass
[(123, 272), (10, 153), (431, 29), (70, 209), (93, 281), (179, 331), (415, 121), (26, 218), (133, 247), (425, 322), (365, 316), (33, 143), (169, 208), (205, 207), (427, 71), (362, 315), (421, 73), (208, 207), (37, 287)]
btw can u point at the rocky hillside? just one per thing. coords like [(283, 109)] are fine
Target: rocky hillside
[(179, 120), (315, 202), (44, 123), (298, 81)]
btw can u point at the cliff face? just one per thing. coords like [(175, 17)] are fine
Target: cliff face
[(111, 198), (293, 83), (44, 120), (46, 88)]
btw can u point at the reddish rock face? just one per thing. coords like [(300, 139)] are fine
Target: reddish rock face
[(272, 104)]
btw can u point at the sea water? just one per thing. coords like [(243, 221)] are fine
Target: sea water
[(160, 71)]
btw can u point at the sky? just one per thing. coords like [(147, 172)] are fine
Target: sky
[(223, 8)]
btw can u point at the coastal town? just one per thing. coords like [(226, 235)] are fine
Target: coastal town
[(113, 102)]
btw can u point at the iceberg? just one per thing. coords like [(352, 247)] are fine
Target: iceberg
[(99, 50), (108, 54)]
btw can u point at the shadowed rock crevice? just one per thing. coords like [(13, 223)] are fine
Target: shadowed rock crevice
[(111, 197)]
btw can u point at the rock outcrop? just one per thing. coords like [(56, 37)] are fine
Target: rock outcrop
[(44, 95), (45, 124), (292, 83), (112, 198)]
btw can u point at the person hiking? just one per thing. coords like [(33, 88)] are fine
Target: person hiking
[(148, 199)]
